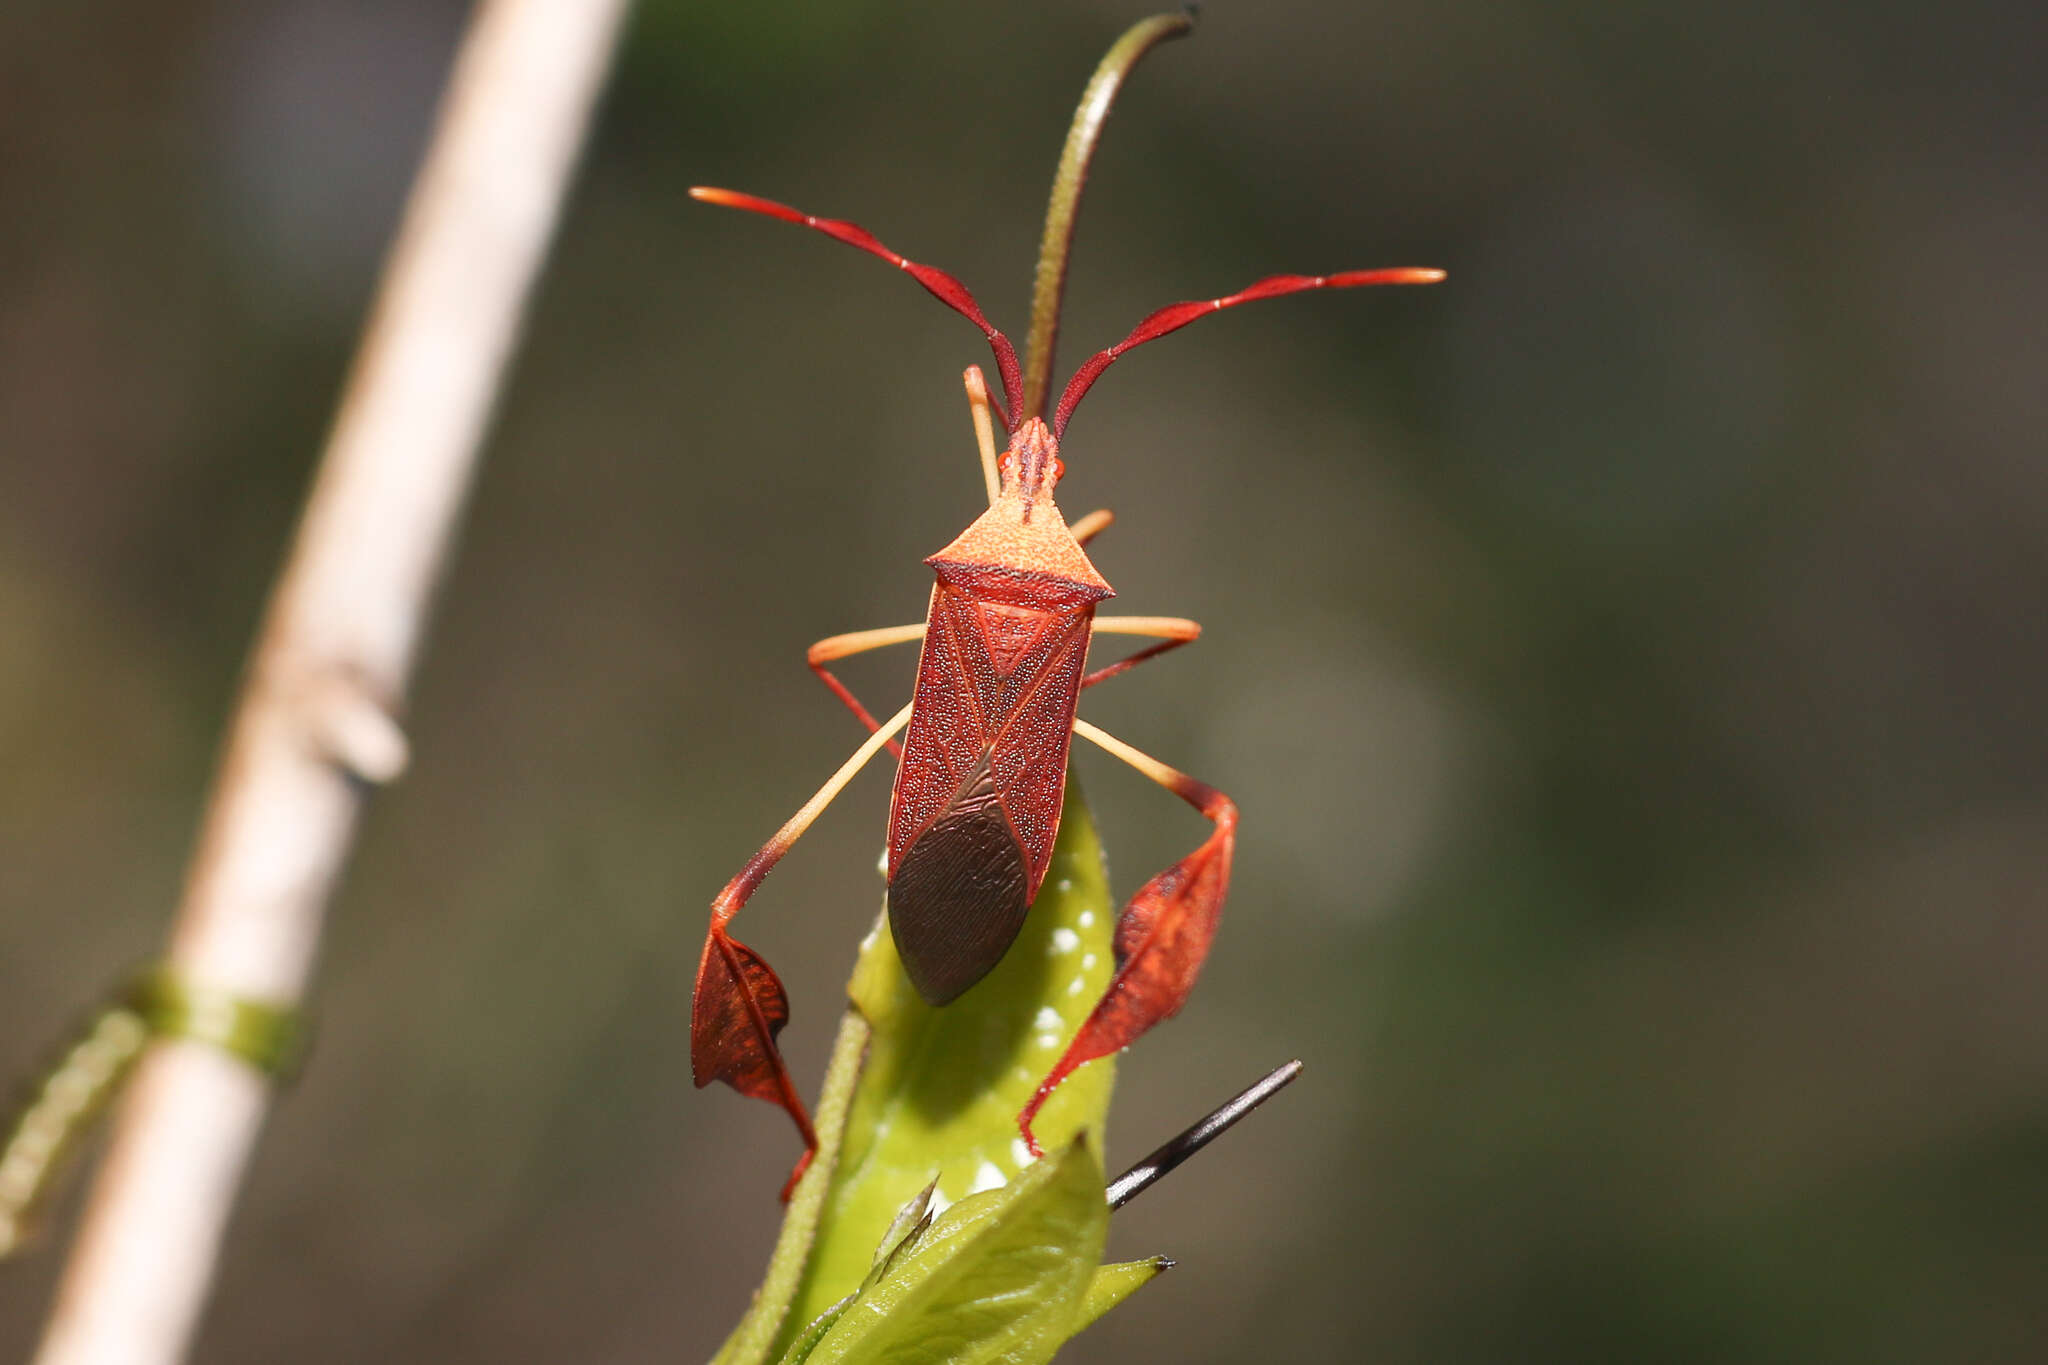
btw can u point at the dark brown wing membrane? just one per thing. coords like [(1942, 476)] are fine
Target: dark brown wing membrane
[(960, 892)]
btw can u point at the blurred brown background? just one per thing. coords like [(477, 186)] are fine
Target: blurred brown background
[(1628, 655)]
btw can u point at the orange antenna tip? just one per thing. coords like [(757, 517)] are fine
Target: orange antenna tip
[(752, 203), (1397, 275), (1175, 316)]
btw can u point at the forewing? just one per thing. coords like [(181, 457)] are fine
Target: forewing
[(1029, 754), (978, 796), (948, 733)]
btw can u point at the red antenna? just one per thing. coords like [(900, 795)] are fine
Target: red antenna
[(942, 286), (1175, 316)]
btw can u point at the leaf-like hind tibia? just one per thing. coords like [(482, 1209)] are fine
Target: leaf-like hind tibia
[(738, 1010), (1162, 939)]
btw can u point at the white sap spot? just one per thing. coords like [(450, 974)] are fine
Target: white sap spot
[(1048, 1040), (1047, 1017), (988, 1176), (1087, 920), (1065, 940), (1074, 986), (1088, 962), (1066, 883), (1019, 1153)]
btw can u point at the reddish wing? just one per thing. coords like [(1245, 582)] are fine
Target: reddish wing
[(1029, 759), (1007, 698), (949, 728), (978, 796)]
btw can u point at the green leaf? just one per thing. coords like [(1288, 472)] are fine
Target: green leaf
[(998, 1280), (940, 1090), (911, 1223), (1113, 1284)]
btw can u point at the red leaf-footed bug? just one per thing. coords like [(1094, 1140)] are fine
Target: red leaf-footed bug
[(983, 759)]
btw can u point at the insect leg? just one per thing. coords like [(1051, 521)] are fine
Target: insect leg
[(1092, 525), (978, 405), (1171, 631), (739, 1006), (1163, 934), (858, 642)]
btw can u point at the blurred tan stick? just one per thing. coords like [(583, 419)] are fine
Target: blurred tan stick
[(315, 725)]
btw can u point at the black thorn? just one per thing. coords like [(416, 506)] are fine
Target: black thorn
[(1140, 1177)]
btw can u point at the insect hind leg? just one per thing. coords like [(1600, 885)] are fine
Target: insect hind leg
[(836, 647), (1171, 631), (1162, 936), (1092, 525), (739, 1005)]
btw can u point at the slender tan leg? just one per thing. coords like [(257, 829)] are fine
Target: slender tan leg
[(1092, 525), (739, 1005), (979, 408), (1162, 936), (1171, 631), (858, 642), (742, 886)]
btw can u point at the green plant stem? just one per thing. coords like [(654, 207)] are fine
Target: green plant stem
[(1050, 285), (786, 1264)]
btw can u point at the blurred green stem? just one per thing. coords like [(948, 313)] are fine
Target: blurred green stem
[(1056, 246), (786, 1265)]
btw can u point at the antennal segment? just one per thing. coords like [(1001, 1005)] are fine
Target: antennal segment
[(938, 283), (1175, 316)]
